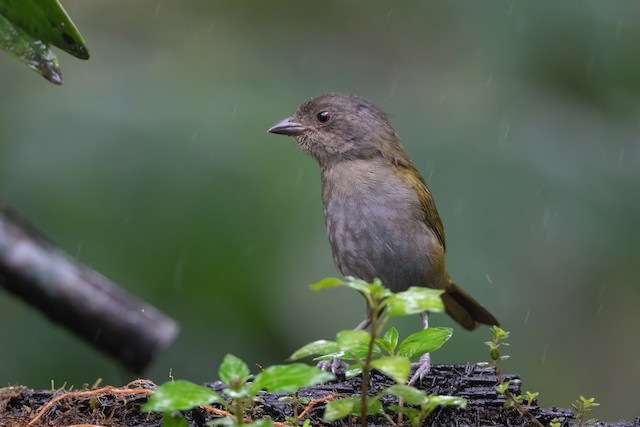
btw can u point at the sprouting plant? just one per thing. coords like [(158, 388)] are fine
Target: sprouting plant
[(498, 338), (367, 350), (581, 406), (175, 396)]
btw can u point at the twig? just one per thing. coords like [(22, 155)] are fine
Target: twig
[(116, 391)]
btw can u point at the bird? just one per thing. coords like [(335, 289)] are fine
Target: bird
[(380, 215)]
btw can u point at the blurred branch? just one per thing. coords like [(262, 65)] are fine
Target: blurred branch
[(79, 298)]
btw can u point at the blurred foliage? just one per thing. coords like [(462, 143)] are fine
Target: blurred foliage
[(153, 165), (28, 27)]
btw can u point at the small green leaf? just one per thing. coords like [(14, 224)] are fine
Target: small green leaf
[(264, 422), (499, 334), (358, 285), (173, 420), (502, 388), (353, 371), (233, 371), (179, 395), (408, 394), (389, 341), (397, 367), (460, 402), (415, 300), (413, 414), (351, 339), (329, 282), (340, 408), (321, 347), (289, 378), (425, 341)]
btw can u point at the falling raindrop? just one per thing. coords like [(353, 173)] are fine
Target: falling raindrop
[(178, 273), (547, 215), (619, 30), (489, 79), (429, 177), (235, 110), (78, 250), (545, 351), (155, 15), (526, 318), (194, 136), (489, 279), (620, 157)]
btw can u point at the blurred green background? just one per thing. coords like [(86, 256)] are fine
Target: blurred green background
[(152, 165)]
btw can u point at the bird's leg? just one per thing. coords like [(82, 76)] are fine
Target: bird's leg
[(367, 321), (423, 366), (336, 364)]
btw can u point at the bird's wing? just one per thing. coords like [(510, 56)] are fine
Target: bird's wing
[(431, 216)]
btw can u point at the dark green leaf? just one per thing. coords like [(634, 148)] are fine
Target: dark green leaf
[(329, 282), (233, 371), (320, 347), (425, 341), (397, 367), (389, 341), (340, 408), (413, 414), (415, 300), (46, 20), (265, 422), (289, 378), (448, 401), (179, 396), (31, 51), (351, 339), (408, 394), (170, 420), (358, 285)]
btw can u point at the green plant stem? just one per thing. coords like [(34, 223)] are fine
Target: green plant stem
[(239, 410), (366, 367), (524, 412)]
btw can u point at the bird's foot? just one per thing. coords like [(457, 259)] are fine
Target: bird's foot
[(335, 366), (422, 368)]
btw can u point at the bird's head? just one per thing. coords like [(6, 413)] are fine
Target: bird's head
[(339, 126)]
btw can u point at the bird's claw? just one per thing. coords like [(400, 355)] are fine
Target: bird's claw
[(422, 368), (335, 366)]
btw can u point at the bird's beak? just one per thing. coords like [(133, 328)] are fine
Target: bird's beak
[(288, 126)]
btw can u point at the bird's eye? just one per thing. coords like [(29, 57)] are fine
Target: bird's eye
[(324, 117)]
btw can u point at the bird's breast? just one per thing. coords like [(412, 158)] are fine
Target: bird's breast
[(376, 227)]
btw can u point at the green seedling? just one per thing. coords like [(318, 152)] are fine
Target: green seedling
[(173, 397), (498, 341), (371, 349), (581, 406)]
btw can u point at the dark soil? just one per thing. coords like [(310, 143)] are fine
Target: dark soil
[(119, 407)]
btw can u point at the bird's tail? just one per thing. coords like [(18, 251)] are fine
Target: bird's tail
[(465, 309)]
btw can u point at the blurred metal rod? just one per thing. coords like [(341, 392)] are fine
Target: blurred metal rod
[(79, 298)]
